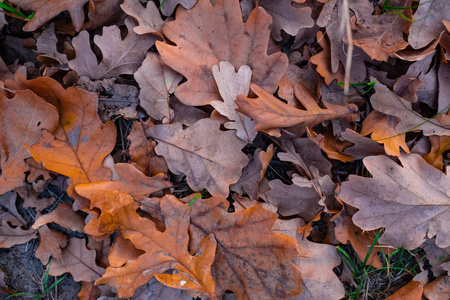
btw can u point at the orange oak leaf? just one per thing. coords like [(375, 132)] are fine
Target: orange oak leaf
[(417, 196), (157, 81), (89, 291), (119, 56), (287, 17), (51, 242), (21, 120), (271, 113), (207, 35), (330, 144), (252, 260), (382, 127), (413, 290), (78, 260), (438, 289), (149, 18), (80, 143), (163, 250), (439, 144), (210, 158), (45, 10)]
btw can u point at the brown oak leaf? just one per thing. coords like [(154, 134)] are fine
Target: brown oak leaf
[(271, 113), (10, 236), (51, 242), (119, 56), (251, 259), (415, 196), (149, 18), (210, 158), (207, 35)]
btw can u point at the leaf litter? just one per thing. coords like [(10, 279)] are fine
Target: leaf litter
[(182, 149)]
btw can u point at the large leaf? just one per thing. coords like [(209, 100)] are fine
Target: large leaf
[(210, 158), (207, 35), (251, 260), (411, 202)]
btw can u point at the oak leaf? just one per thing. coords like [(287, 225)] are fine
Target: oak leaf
[(46, 10), (10, 236), (210, 158), (207, 35), (149, 18), (439, 144), (411, 202), (63, 215), (123, 57), (21, 120), (8, 209), (168, 6), (163, 250), (51, 242), (427, 24), (231, 84), (157, 81), (78, 260), (389, 103), (287, 17), (438, 289), (271, 113), (252, 260), (80, 143)]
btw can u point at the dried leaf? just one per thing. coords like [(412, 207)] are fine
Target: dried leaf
[(416, 196), (10, 236), (207, 35), (63, 215), (51, 242), (45, 10), (438, 289), (439, 144), (119, 56), (231, 84), (251, 260), (211, 163), (149, 18), (169, 5), (271, 113), (21, 120), (78, 261)]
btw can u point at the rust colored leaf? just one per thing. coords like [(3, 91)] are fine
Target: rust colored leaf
[(51, 242), (231, 84), (251, 260), (10, 236), (163, 250), (412, 291), (149, 18), (119, 56), (211, 163), (45, 10), (271, 113), (382, 127), (78, 260), (438, 289), (207, 35), (157, 81), (131, 181), (287, 17), (21, 120), (417, 196), (89, 291), (331, 145), (63, 215), (439, 144)]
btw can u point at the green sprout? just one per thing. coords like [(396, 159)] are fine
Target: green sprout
[(45, 288), (371, 84), (10, 10), (392, 10), (161, 4)]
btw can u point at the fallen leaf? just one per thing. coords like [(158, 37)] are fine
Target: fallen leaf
[(22, 119), (168, 6), (124, 57), (438, 289), (330, 144), (51, 242), (415, 196), (439, 144), (63, 215), (207, 35), (149, 18), (389, 103), (10, 236), (381, 126), (231, 84), (251, 259), (46, 10), (89, 291), (427, 24), (8, 209), (157, 81), (78, 261), (287, 17), (46, 46), (211, 163), (271, 113), (411, 291)]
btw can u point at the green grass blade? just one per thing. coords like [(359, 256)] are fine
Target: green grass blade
[(161, 4), (371, 247), (55, 283)]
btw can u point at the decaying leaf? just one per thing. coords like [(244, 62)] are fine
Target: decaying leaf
[(63, 215), (207, 35), (271, 113), (231, 84), (119, 56), (149, 18), (51, 243), (211, 163), (251, 260), (10, 236), (411, 202)]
